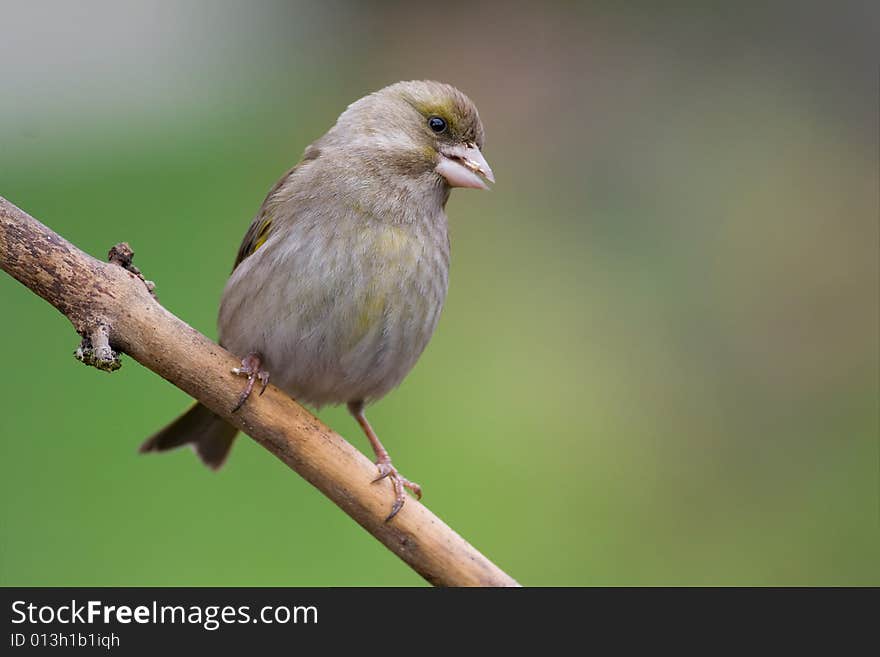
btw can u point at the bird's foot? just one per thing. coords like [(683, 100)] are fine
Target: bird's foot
[(252, 368), (386, 470)]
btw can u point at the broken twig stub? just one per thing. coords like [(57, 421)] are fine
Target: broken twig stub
[(95, 350), (122, 255)]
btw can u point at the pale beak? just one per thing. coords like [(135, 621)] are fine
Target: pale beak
[(463, 165)]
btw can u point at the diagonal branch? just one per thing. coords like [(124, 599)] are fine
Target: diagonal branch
[(113, 309)]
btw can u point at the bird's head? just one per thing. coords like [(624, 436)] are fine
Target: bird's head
[(420, 128)]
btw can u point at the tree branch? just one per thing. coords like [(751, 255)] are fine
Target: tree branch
[(112, 307)]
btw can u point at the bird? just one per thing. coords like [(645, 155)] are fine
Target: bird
[(340, 279)]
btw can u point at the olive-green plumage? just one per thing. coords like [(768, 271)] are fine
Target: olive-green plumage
[(340, 279)]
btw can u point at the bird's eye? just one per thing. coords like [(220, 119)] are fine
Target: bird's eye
[(437, 124)]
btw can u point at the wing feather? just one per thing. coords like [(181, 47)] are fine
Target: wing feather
[(261, 227)]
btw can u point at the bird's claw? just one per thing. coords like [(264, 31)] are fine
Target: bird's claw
[(252, 368), (399, 483)]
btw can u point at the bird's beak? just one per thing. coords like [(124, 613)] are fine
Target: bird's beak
[(463, 165)]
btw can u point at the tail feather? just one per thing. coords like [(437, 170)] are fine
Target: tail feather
[(209, 435)]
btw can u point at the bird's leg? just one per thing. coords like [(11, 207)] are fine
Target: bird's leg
[(383, 462), (252, 368)]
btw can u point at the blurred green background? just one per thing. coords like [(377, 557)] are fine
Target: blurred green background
[(658, 363)]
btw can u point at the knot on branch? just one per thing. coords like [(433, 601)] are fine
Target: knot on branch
[(122, 255), (95, 349)]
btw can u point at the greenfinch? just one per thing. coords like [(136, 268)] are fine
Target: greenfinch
[(340, 279)]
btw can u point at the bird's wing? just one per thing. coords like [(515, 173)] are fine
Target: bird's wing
[(261, 226)]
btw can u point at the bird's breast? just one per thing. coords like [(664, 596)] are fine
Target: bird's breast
[(344, 313), (405, 273)]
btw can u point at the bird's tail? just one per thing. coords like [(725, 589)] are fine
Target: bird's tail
[(210, 436)]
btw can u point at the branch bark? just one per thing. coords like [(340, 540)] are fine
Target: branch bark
[(113, 309)]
